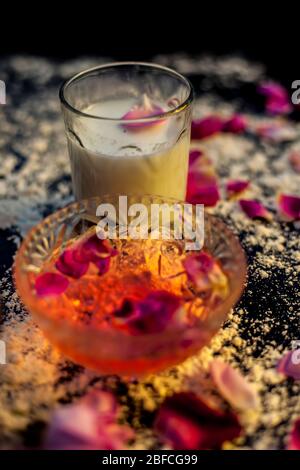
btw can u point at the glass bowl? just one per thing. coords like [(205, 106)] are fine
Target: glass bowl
[(138, 262)]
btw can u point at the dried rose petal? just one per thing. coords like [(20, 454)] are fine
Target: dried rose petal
[(272, 90), (187, 423), (104, 402), (207, 194), (198, 267), (278, 106), (74, 262), (205, 273), (277, 98), (236, 124), (202, 186), (94, 248), (254, 209), (103, 265), (234, 187), (70, 266), (146, 109), (96, 251), (150, 315), (233, 386), (206, 127), (289, 206), (50, 284), (289, 365), (202, 189), (91, 423), (194, 155), (294, 159), (203, 169), (294, 437)]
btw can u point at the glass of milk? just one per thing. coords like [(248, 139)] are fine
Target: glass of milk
[(128, 130)]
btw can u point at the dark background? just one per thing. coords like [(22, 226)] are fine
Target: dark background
[(265, 32)]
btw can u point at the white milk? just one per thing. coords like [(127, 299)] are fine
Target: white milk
[(113, 159)]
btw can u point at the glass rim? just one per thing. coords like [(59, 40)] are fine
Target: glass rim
[(178, 109)]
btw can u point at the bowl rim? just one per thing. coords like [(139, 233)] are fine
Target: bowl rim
[(225, 306)]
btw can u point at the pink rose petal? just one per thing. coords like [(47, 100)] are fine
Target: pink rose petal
[(289, 206), (294, 159), (202, 186), (234, 187), (202, 190), (294, 437), (203, 168), (198, 268), (91, 423), (204, 272), (150, 315), (254, 209), (272, 90), (50, 284), (96, 251), (185, 422), (70, 266), (74, 262), (233, 386), (277, 98), (289, 365), (194, 156), (103, 265), (236, 124), (146, 109), (94, 248), (206, 127), (278, 106)]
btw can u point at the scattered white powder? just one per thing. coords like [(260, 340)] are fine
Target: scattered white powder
[(34, 178)]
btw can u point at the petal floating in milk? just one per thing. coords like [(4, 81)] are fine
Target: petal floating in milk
[(147, 109)]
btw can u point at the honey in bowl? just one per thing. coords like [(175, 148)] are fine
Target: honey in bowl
[(127, 306)]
